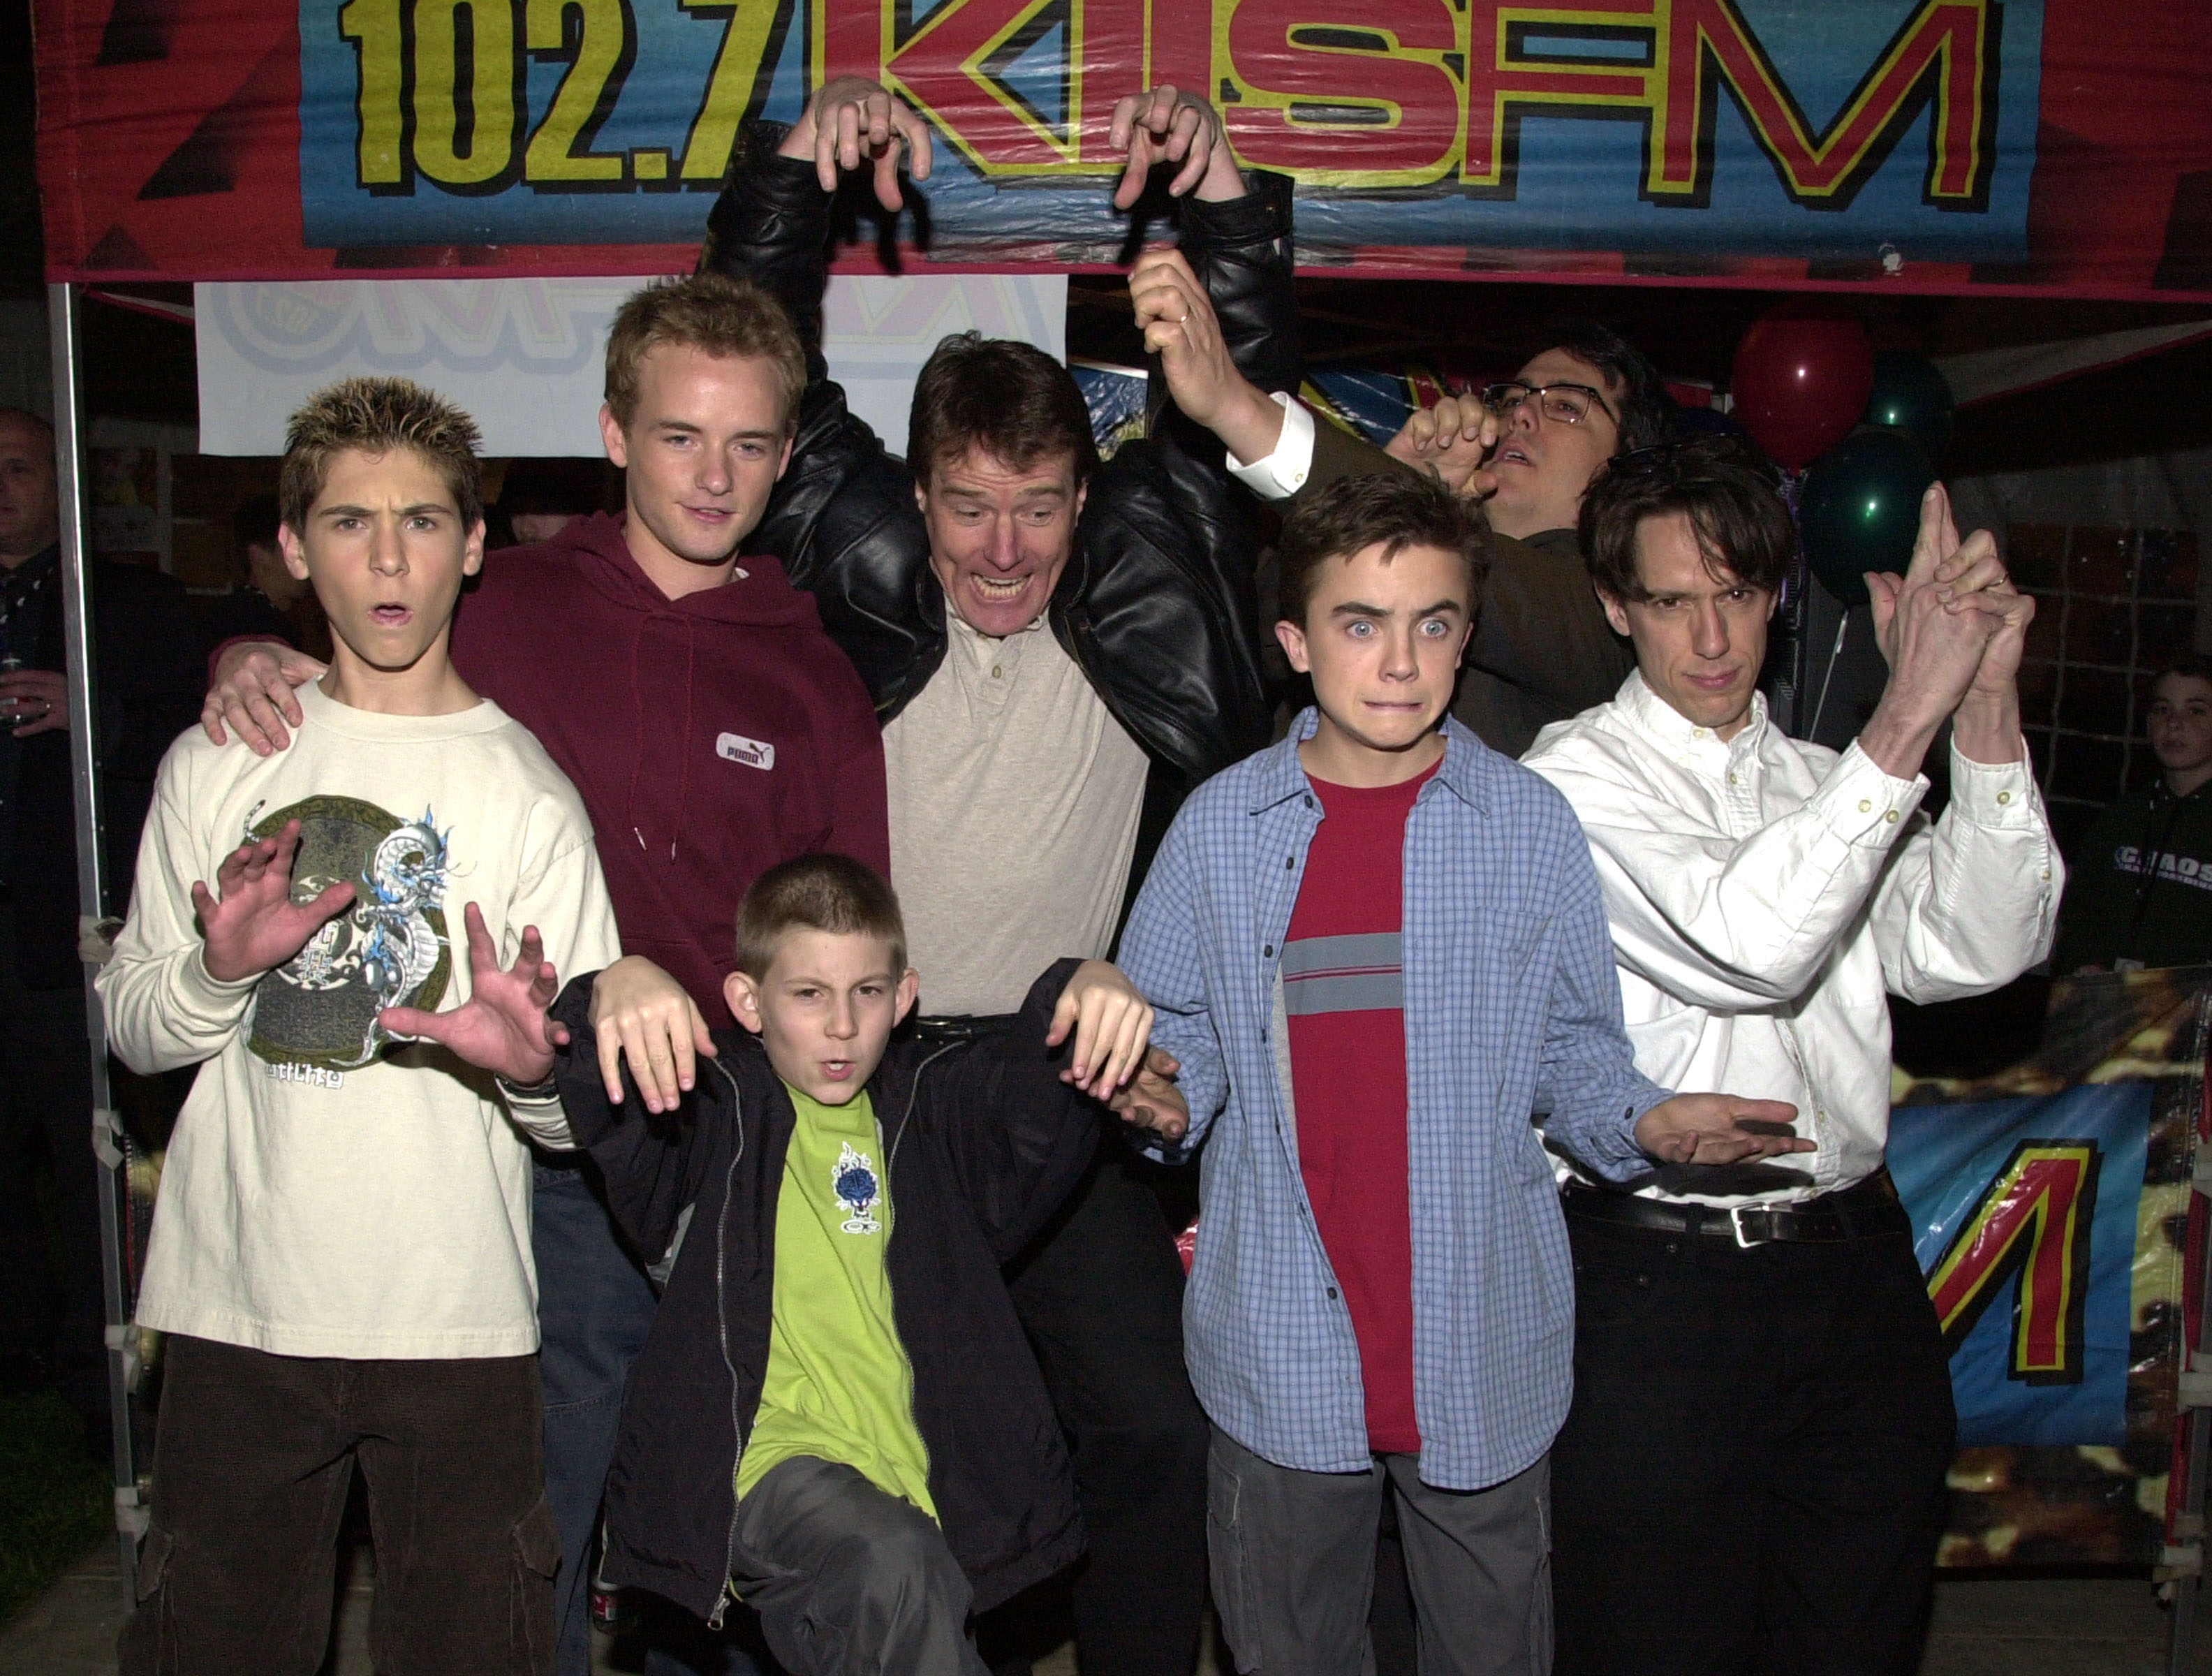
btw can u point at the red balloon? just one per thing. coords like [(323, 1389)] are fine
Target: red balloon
[(1801, 381)]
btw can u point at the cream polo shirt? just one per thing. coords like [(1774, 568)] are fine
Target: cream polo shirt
[(1766, 896), (1014, 800)]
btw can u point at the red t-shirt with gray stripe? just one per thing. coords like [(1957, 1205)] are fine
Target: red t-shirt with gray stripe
[(1344, 992)]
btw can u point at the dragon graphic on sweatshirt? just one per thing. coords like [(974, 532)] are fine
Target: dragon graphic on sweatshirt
[(389, 949)]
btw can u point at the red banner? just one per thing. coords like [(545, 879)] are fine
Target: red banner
[(2056, 146)]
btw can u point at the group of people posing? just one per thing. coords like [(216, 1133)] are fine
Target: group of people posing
[(586, 1129)]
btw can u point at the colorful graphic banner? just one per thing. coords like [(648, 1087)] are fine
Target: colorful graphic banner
[(1927, 144), (2024, 1218), (2053, 1215)]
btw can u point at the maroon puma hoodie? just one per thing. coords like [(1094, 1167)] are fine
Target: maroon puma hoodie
[(711, 737)]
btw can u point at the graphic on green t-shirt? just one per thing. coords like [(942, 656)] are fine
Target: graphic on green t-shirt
[(838, 1385)]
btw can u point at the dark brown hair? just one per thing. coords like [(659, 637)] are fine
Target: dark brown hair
[(731, 317), (373, 416), (1010, 399), (1726, 488), (818, 892), (1397, 509), (2190, 666)]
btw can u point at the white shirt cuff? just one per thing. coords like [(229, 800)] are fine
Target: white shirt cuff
[(1866, 805), (1283, 473), (1995, 794)]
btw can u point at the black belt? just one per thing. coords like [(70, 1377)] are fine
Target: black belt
[(965, 1027), (1870, 1208)]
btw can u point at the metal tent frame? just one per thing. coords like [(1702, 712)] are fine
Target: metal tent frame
[(108, 1141)]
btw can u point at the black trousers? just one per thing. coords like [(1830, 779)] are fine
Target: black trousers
[(1750, 1478), (252, 1459), (1100, 1296), (46, 1117)]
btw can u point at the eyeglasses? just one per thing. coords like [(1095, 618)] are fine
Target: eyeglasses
[(1563, 404)]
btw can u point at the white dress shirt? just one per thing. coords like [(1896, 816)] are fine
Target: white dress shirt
[(1764, 893)]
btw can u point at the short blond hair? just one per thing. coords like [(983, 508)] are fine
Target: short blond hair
[(712, 311), (373, 416)]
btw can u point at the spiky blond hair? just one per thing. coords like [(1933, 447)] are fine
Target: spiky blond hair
[(374, 416)]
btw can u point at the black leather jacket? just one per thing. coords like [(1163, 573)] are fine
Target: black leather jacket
[(1156, 606)]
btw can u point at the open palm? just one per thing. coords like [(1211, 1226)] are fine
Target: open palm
[(502, 1027), (249, 922)]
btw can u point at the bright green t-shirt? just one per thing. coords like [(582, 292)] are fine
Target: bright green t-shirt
[(838, 1385)]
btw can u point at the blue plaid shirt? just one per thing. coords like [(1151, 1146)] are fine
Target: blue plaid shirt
[(1511, 1008)]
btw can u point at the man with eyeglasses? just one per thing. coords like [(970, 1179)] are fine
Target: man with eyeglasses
[(1528, 448)]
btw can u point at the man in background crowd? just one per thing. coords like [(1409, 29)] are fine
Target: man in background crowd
[(148, 667), (1528, 447), (539, 498), (268, 601), (2141, 893)]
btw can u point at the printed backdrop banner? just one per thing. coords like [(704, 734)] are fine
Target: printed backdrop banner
[(526, 356), (1914, 144), (2052, 1214)]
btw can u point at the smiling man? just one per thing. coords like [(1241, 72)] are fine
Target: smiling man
[(1060, 651), (713, 731), (1752, 1474)]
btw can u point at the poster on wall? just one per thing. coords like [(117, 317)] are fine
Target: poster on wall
[(1921, 144)]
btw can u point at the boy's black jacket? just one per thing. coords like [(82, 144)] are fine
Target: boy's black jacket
[(981, 1141)]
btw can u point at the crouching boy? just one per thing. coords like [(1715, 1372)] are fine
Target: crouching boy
[(1376, 948), (340, 1250), (836, 1419)]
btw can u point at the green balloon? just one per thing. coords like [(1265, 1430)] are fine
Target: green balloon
[(1859, 509), (1910, 395)]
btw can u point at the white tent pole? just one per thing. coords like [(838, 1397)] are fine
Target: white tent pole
[(107, 1138)]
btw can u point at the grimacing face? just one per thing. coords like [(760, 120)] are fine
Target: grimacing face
[(385, 551), (824, 1008), (1382, 640), (999, 535), (1700, 637)]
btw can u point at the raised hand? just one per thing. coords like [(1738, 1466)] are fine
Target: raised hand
[(1163, 125), (852, 120), (1152, 1101), (641, 1014), (254, 925), (1180, 326), (1452, 442), (252, 692), (1112, 1024), (1718, 1129), (1936, 624), (501, 1027)]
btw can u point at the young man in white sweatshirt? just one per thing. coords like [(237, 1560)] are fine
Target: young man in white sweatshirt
[(340, 1250)]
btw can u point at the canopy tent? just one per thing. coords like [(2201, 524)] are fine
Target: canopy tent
[(1892, 147)]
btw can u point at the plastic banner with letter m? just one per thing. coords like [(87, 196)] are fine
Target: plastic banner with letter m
[(2052, 1214)]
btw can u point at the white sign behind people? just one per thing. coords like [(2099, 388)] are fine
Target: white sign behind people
[(524, 356)]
